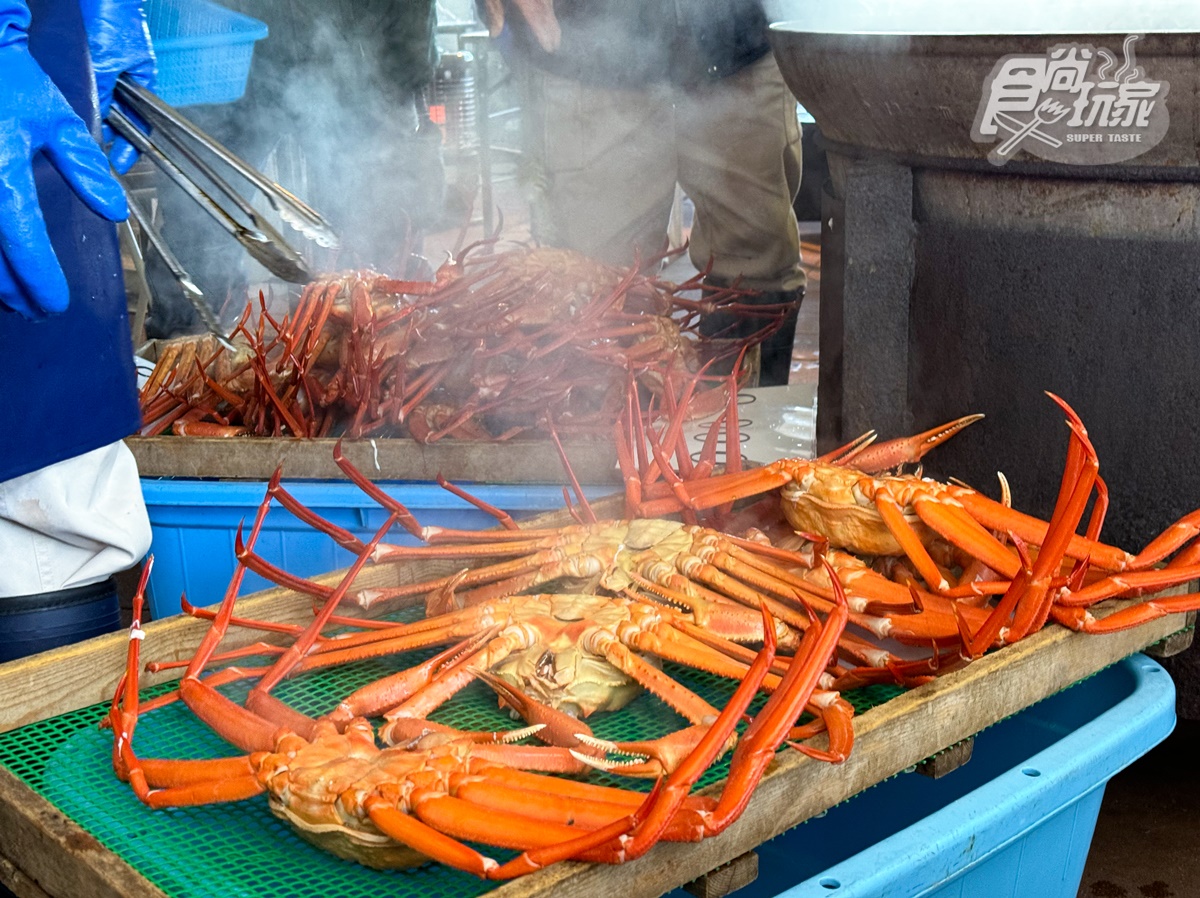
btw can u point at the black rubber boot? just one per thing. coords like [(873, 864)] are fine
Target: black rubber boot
[(776, 365), (775, 356), (42, 621)]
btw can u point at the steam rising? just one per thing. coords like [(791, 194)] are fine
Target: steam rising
[(348, 126), (953, 17), (329, 113)]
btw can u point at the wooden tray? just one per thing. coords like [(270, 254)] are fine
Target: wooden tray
[(42, 852), (256, 458)]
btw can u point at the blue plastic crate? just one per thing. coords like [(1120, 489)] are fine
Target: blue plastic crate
[(1015, 821), (203, 50), (194, 524)]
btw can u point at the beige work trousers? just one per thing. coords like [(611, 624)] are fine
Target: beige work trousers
[(601, 167)]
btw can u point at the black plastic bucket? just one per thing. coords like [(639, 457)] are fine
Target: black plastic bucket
[(35, 623)]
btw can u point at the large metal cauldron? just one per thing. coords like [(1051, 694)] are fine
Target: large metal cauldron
[(951, 285)]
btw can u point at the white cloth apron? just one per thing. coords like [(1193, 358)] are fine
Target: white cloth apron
[(72, 523)]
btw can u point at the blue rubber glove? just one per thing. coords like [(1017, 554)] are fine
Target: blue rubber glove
[(119, 41), (34, 116)]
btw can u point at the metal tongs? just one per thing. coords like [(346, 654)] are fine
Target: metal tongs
[(174, 145)]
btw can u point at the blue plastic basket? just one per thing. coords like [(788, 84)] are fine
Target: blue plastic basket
[(1017, 820), (204, 50), (194, 523)]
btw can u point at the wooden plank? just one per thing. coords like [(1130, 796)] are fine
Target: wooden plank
[(49, 853), (948, 760), (253, 458), (14, 879), (737, 874), (1176, 642)]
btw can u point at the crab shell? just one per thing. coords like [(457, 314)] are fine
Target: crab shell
[(829, 499), (562, 671), (318, 787)]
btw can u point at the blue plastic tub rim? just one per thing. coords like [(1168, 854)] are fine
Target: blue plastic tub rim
[(169, 491), (948, 843), (235, 27), (251, 32)]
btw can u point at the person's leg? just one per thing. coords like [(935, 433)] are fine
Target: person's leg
[(739, 162), (599, 166)]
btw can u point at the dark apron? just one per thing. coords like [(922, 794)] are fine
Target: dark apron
[(67, 383)]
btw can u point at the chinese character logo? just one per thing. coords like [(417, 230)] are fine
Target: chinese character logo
[(1074, 104)]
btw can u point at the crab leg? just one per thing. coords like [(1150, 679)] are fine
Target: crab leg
[(683, 701), (221, 780), (241, 725), (231, 721), (1133, 583), (373, 699), (509, 639), (492, 581), (723, 619), (835, 716), (496, 581), (845, 454), (525, 782), (259, 698), (674, 790), (1034, 607), (863, 454), (714, 491), (1028, 598), (543, 843), (588, 807), (557, 728), (586, 812), (712, 612), (1135, 615), (867, 591), (674, 640), (772, 724), (756, 747), (907, 673)]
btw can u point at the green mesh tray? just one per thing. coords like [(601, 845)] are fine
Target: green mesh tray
[(240, 848)]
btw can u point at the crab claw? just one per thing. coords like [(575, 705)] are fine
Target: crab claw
[(656, 757), (417, 734), (632, 765), (892, 454), (554, 727)]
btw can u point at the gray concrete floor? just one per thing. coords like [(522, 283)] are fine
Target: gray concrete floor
[(1147, 839)]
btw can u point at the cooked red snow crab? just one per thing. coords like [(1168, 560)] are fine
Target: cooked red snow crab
[(500, 343), (396, 806)]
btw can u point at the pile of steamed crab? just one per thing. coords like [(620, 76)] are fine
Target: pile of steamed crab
[(501, 343), (794, 581)]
